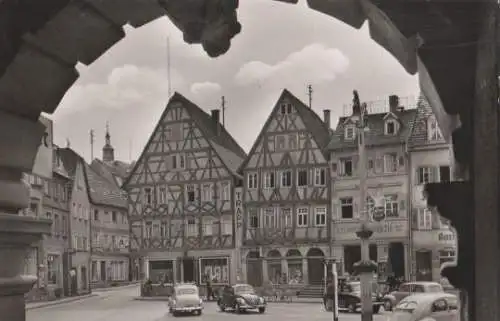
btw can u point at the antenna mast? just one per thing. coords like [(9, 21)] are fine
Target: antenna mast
[(223, 107), (91, 145), (309, 93), (168, 69)]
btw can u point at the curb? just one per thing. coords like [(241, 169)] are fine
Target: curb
[(113, 288), (58, 302), (164, 298)]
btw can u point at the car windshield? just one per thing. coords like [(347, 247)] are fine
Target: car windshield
[(406, 306), (243, 289), (435, 288), (186, 291)]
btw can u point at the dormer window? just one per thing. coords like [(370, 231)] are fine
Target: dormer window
[(433, 131), (349, 132), (285, 108), (391, 127)]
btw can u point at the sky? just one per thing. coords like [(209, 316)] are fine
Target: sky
[(280, 46)]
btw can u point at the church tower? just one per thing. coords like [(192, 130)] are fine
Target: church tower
[(108, 152)]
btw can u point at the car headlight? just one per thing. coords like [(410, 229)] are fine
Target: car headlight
[(261, 300), (173, 302)]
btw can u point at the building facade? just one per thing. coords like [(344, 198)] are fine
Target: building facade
[(387, 184), (180, 198), (79, 223), (286, 197), (109, 226), (433, 241)]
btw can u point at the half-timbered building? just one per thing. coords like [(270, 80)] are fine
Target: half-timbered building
[(180, 197), (286, 226)]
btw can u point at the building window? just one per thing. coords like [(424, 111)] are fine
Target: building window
[(424, 219), (286, 214), (114, 217), (280, 142), (320, 216), (391, 206), (390, 127), (207, 193), (292, 141), (269, 180), (253, 219), (345, 168), (148, 197), (253, 180), (191, 195), (347, 208), (302, 177), (370, 205), (270, 218), (207, 226), (390, 163), (162, 195), (52, 269), (424, 175), (349, 132), (444, 174), (286, 178), (191, 227), (226, 191), (302, 217), (433, 131), (320, 176), (285, 108), (178, 161)]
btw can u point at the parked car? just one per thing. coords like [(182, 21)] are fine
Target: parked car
[(409, 288), (427, 306), (350, 297), (240, 298), (185, 299)]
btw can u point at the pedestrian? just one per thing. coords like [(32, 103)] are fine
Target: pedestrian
[(210, 294)]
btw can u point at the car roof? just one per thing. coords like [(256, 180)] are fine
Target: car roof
[(185, 285), (424, 283), (241, 284), (427, 297)]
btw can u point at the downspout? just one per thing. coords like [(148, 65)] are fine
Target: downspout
[(411, 273)]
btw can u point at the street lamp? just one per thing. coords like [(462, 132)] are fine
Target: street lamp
[(365, 267)]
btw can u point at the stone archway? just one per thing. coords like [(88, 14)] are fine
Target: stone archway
[(43, 43), (315, 266), (274, 268), (294, 261), (254, 268)]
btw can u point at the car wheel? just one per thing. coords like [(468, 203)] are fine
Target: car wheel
[(198, 313), (175, 314), (222, 307), (262, 310), (238, 309), (351, 307), (387, 305)]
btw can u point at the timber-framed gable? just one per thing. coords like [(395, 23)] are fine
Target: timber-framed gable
[(287, 178), (180, 190)]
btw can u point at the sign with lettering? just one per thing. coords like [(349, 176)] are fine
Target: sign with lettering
[(238, 212), (385, 229), (446, 238)]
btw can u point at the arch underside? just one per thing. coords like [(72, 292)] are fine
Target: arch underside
[(42, 41)]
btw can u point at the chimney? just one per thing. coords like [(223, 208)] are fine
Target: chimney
[(215, 119), (326, 117), (393, 103)]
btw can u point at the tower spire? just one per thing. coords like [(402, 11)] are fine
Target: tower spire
[(309, 93), (108, 152)]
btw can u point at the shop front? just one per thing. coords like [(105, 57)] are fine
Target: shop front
[(432, 250), (388, 247)]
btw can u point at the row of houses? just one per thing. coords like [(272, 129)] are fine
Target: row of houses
[(201, 207), (89, 239)]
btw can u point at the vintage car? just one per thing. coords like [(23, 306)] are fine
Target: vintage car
[(185, 299), (350, 297), (409, 288), (241, 298), (427, 306)]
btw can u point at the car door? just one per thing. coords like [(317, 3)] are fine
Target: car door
[(440, 311)]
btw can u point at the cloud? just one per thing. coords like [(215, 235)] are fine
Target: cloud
[(205, 89), (314, 64), (125, 86)]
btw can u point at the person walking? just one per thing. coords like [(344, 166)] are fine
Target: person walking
[(210, 294)]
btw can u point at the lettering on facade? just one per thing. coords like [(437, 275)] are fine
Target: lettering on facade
[(446, 237), (238, 206), (385, 229)]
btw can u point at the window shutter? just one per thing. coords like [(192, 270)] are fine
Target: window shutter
[(401, 162), (379, 165), (434, 175), (402, 205), (355, 163), (335, 210), (355, 207)]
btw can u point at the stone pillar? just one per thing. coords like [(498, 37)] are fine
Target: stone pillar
[(407, 261), (265, 275), (19, 141), (305, 272), (284, 267), (146, 268)]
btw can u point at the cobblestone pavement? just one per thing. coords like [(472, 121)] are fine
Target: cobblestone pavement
[(119, 305)]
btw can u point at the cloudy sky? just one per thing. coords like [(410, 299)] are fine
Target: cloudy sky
[(280, 46)]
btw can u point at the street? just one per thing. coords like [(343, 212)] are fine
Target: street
[(119, 305)]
